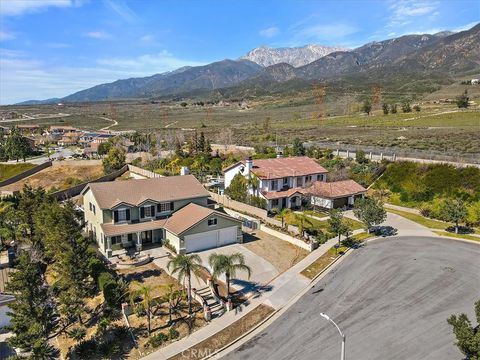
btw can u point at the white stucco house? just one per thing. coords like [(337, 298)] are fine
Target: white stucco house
[(280, 181)]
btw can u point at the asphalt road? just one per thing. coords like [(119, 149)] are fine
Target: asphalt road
[(391, 298)]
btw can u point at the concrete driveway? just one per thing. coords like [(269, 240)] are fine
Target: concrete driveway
[(262, 271), (391, 298)]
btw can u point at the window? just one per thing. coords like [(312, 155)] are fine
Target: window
[(274, 184), (116, 240), (308, 179), (319, 177), (148, 211), (165, 207), (92, 207), (212, 222), (285, 181), (122, 215), (275, 202), (299, 181)]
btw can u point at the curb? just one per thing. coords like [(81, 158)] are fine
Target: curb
[(290, 303)]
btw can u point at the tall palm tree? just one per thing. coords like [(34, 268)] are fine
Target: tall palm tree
[(302, 220), (185, 266), (228, 265), (145, 291)]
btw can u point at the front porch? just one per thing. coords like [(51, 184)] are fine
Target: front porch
[(134, 237), (293, 202)]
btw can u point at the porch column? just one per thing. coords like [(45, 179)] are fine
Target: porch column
[(108, 251), (138, 245)]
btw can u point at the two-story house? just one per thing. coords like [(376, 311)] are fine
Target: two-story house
[(138, 212), (280, 181)]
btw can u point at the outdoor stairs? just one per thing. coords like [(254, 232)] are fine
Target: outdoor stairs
[(215, 307)]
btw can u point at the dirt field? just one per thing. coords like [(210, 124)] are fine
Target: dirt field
[(59, 176), (281, 254)]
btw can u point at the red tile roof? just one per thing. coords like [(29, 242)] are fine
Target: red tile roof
[(336, 189), (284, 167), (270, 195)]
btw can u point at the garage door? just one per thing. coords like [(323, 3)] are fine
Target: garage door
[(210, 239)]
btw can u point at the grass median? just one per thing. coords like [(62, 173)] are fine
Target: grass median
[(419, 219), (458, 236)]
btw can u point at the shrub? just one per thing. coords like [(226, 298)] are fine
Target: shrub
[(86, 349), (173, 334), (103, 279), (157, 340), (139, 309), (77, 333)]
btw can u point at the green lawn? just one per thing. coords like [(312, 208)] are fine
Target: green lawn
[(362, 236), (458, 236), (9, 170), (322, 262), (317, 213), (419, 219)]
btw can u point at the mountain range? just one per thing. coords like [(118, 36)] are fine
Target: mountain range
[(265, 70)]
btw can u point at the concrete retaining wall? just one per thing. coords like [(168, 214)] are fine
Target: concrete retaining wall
[(25, 174), (285, 237)]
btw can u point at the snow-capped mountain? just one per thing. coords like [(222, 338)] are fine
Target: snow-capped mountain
[(295, 56)]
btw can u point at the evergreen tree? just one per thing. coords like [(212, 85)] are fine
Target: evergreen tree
[(406, 108), (468, 335), (370, 211), (16, 146), (114, 160), (367, 106), (462, 100), (32, 313), (238, 188), (454, 210), (201, 143), (297, 148), (393, 108), (385, 108), (337, 224)]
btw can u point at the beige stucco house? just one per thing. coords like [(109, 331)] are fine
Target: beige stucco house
[(140, 212)]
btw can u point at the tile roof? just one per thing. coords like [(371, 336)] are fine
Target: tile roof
[(283, 167), (335, 189), (190, 215), (134, 192), (119, 229), (270, 195)]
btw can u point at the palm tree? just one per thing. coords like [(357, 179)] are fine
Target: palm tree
[(254, 183), (228, 265), (284, 214), (145, 291), (185, 266), (302, 220), (172, 297)]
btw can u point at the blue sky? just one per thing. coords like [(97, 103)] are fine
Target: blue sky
[(51, 48)]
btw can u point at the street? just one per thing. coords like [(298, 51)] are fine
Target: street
[(391, 299)]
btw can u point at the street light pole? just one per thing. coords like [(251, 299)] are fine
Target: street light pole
[(342, 354)]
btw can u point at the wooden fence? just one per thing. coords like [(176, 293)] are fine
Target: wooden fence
[(25, 174)]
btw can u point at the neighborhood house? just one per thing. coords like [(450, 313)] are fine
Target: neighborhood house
[(141, 212), (293, 181)]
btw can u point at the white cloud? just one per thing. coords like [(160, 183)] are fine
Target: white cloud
[(6, 35), (466, 26), (269, 32), (122, 9), (98, 35), (404, 12), (312, 31), (24, 77), (20, 7), (149, 63)]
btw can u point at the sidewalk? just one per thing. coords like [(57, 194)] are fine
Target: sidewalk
[(402, 208), (284, 287)]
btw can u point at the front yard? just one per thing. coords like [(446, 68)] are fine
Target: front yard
[(281, 254), (94, 345)]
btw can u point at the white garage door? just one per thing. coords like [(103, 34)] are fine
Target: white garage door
[(210, 239)]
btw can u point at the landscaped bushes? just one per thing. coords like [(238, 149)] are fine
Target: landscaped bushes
[(160, 338)]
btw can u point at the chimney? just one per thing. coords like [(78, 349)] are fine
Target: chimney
[(279, 155), (248, 165)]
